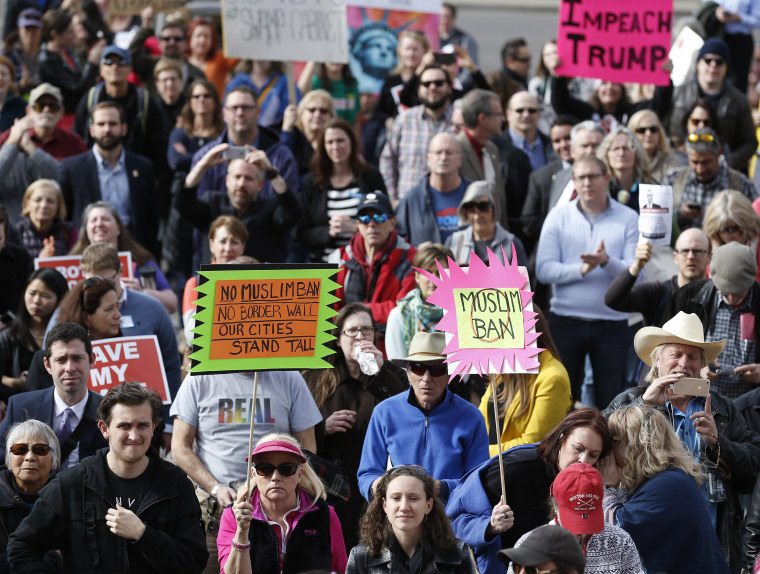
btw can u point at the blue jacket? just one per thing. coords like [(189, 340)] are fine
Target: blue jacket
[(527, 478), (673, 533), (448, 441), (415, 216)]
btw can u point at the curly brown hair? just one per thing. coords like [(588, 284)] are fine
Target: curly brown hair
[(375, 530)]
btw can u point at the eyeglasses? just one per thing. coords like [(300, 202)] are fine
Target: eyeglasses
[(435, 369), (647, 129), (522, 60), (284, 468), (730, 229), (532, 570), (112, 62), (531, 111), (436, 83), (716, 61), (172, 38), (323, 111), (695, 252), (588, 177), (354, 331), (40, 449), (701, 123), (201, 96), (376, 217), (40, 106), (241, 107), (484, 205), (705, 138)]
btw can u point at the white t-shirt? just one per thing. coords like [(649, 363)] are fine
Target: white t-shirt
[(219, 407)]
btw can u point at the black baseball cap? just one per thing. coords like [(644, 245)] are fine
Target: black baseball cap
[(550, 542)]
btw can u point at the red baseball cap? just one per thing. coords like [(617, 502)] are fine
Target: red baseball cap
[(579, 491)]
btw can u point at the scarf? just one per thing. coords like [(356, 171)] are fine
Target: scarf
[(417, 315)]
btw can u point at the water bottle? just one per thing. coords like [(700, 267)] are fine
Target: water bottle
[(367, 361)]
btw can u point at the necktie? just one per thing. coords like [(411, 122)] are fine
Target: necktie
[(64, 430)]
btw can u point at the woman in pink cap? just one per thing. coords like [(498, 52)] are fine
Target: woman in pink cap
[(286, 519)]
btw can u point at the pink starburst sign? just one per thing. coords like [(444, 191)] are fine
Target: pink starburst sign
[(488, 316)]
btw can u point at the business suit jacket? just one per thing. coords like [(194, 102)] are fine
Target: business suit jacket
[(78, 178), (40, 405), (471, 169), (536, 205)]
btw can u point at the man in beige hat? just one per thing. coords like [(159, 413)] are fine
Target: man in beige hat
[(709, 427), (428, 426)]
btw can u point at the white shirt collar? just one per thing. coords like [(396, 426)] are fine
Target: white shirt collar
[(61, 406)]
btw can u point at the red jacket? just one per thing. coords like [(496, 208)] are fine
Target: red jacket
[(378, 284)]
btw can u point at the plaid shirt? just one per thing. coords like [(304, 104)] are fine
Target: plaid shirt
[(699, 192), (738, 351), (404, 158)]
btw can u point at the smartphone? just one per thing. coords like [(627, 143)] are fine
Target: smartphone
[(444, 59), (691, 205), (235, 152), (692, 387)]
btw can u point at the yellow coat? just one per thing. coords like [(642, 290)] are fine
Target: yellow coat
[(550, 402)]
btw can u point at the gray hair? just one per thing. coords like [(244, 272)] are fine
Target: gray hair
[(712, 147), (477, 102), (587, 126), (32, 428), (480, 188)]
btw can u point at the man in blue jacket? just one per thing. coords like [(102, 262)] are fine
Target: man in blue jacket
[(429, 426)]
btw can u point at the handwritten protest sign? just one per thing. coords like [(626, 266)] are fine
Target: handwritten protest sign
[(68, 266), (615, 40), (137, 6), (262, 317), (488, 316), (128, 359), (286, 30)]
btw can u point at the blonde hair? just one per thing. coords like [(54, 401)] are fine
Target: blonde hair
[(641, 161), (60, 212), (309, 480), (663, 145), (649, 445), (731, 205), (412, 35)]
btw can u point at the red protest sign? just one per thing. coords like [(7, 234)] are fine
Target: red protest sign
[(615, 40), (128, 359), (69, 266)]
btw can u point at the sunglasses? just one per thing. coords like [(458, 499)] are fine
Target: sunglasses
[(201, 96), (40, 449), (89, 282), (531, 111), (649, 129), (533, 570), (376, 217), (706, 138), (435, 370), (285, 468), (112, 62), (436, 83), (172, 38), (716, 61), (484, 205), (40, 106)]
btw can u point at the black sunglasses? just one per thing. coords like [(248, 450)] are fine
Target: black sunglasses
[(718, 61), (436, 83), (651, 129), (484, 205), (435, 369), (285, 468), (172, 38), (40, 449), (112, 62)]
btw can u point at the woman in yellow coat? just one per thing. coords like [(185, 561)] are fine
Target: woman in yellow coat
[(529, 405)]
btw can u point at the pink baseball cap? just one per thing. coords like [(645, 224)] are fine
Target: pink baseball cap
[(278, 446), (579, 490)]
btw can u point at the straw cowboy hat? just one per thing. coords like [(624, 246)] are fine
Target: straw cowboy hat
[(683, 329), (425, 348)]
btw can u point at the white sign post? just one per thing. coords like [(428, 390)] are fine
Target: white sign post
[(286, 30)]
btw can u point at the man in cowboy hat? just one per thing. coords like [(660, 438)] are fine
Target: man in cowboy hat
[(710, 427), (429, 426)]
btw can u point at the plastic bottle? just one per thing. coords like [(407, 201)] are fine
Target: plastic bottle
[(367, 361)]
